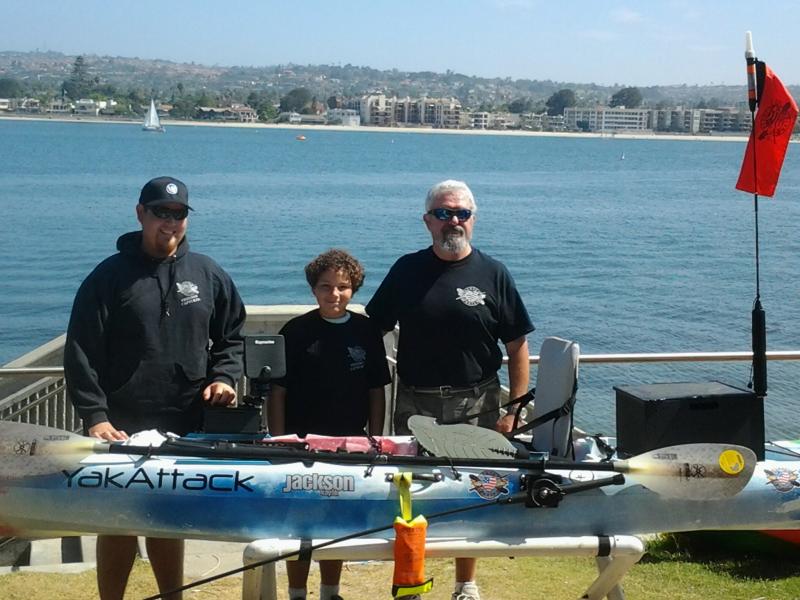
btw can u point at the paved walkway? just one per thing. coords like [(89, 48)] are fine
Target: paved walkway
[(203, 558)]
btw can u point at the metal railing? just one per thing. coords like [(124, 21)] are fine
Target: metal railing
[(45, 402)]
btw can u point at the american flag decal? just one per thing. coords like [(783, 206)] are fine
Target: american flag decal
[(784, 480), (488, 484)]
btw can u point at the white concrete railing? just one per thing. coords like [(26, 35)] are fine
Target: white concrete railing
[(32, 387)]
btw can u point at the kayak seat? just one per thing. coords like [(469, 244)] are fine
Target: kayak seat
[(554, 397)]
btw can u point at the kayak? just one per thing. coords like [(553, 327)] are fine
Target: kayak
[(53, 483)]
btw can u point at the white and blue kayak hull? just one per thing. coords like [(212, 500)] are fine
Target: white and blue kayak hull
[(243, 500)]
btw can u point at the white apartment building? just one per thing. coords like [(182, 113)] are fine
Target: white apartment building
[(344, 116), (89, 107), (696, 120), (606, 119), (480, 120), (377, 109), (541, 122)]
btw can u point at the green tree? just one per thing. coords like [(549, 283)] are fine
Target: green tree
[(137, 101), (123, 106), (263, 103), (183, 108), (521, 105), (204, 99), (79, 69), (10, 88), (79, 85), (559, 101), (267, 112), (296, 100), (629, 97)]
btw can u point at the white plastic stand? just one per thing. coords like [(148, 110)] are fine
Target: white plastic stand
[(615, 556)]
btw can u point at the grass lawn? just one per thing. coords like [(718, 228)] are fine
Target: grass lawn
[(669, 571)]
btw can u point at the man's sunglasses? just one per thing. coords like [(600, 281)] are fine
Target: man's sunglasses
[(162, 212), (445, 214)]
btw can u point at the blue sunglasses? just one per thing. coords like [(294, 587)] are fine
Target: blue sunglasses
[(445, 214)]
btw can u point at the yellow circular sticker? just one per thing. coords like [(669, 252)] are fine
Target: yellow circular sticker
[(731, 462)]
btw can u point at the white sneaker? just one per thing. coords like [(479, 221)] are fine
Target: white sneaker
[(467, 593)]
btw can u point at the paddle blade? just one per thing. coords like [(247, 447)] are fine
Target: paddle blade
[(461, 440), (27, 439), (693, 471)]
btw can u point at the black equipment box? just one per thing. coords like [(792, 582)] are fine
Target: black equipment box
[(665, 414), (224, 419)]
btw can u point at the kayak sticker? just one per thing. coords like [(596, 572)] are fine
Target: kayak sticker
[(784, 480), (580, 476), (324, 485), (488, 484), (24, 448), (731, 462), (692, 471), (163, 479)]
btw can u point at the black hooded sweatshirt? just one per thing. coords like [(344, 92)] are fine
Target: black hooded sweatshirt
[(146, 336)]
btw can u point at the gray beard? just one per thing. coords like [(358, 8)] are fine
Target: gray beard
[(453, 242)]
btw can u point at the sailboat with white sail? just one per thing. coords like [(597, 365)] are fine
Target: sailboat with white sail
[(151, 121)]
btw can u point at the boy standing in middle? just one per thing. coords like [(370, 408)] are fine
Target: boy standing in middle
[(336, 371)]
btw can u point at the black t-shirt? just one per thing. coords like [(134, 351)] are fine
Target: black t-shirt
[(451, 315), (330, 368)]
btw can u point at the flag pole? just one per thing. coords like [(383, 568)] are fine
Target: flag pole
[(758, 316)]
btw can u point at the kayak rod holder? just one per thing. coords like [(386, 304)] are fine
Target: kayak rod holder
[(547, 490)]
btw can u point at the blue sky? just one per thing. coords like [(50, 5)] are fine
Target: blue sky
[(605, 42)]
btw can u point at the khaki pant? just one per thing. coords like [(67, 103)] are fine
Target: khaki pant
[(447, 407)]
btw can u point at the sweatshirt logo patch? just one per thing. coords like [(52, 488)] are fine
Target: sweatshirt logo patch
[(471, 296), (189, 291)]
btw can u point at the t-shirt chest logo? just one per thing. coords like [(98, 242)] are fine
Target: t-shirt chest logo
[(471, 296), (188, 291), (358, 357)]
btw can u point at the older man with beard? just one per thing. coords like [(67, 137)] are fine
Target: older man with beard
[(454, 304)]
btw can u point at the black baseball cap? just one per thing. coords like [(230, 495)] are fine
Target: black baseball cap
[(164, 190)]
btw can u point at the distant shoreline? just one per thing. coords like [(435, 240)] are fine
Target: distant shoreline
[(400, 130)]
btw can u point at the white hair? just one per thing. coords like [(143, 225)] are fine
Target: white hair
[(451, 186)]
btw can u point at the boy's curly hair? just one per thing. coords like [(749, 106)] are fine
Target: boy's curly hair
[(338, 260)]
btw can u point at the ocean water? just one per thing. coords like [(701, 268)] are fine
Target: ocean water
[(653, 253)]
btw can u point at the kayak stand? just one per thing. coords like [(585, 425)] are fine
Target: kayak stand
[(615, 555)]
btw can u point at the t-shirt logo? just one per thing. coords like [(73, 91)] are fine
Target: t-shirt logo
[(471, 296), (358, 357), (189, 291)]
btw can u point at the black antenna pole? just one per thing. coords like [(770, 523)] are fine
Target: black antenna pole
[(758, 316)]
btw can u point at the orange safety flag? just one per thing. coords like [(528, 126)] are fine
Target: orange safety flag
[(409, 545), (409, 557), (774, 121)]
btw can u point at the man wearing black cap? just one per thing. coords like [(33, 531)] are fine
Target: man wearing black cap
[(155, 333)]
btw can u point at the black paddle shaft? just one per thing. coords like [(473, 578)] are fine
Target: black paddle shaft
[(232, 451)]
